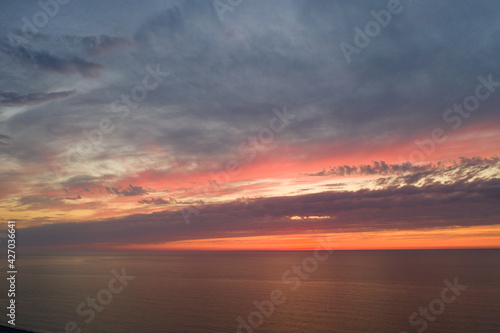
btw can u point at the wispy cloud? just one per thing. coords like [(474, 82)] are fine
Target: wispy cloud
[(17, 99), (43, 59)]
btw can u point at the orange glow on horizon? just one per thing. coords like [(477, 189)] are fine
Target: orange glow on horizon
[(449, 238)]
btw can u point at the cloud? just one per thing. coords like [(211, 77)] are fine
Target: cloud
[(96, 45), (40, 201), (157, 201), (169, 19), (75, 198), (128, 191), (467, 169), (4, 139), (82, 181), (43, 59), (462, 203), (17, 99), (222, 90), (382, 168), (376, 168)]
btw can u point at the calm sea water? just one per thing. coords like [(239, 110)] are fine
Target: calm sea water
[(350, 291)]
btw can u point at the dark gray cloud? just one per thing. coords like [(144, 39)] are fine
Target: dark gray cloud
[(16, 99), (127, 191), (43, 201), (423, 170), (96, 45), (75, 198), (157, 201), (234, 82), (81, 182), (43, 59), (227, 77), (4, 139)]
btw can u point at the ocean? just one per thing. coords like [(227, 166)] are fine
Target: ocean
[(446, 291)]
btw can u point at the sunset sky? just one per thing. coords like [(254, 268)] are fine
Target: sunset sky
[(170, 125)]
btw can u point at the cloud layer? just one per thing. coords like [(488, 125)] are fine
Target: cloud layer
[(454, 202)]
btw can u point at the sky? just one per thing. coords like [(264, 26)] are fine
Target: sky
[(250, 125)]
